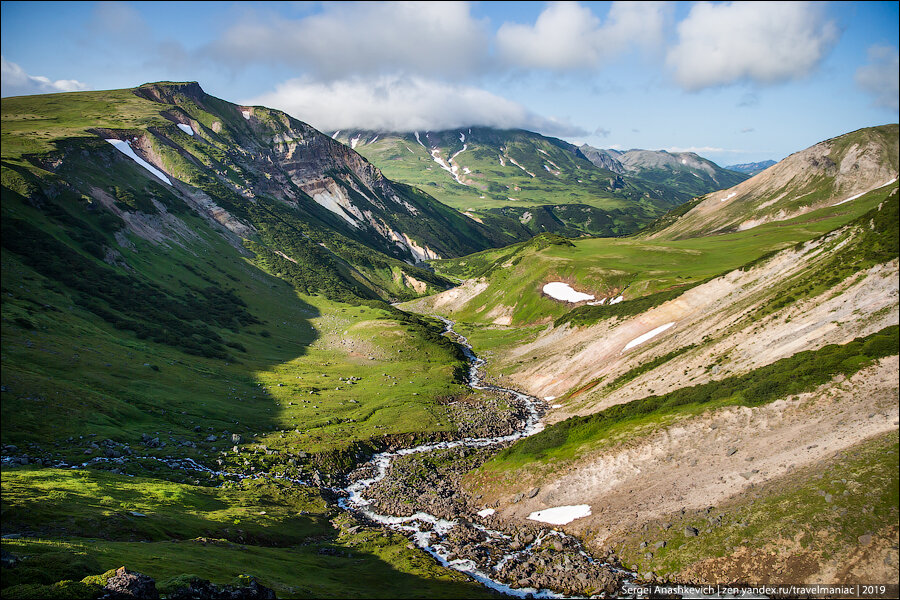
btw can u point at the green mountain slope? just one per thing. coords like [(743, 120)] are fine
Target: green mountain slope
[(274, 180), (507, 283), (500, 176), (218, 311)]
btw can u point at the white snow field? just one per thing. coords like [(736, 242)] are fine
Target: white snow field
[(562, 291), (561, 515), (125, 148), (649, 335)]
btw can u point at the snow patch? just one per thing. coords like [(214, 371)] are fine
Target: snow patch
[(729, 196), (466, 170), (562, 291), (418, 140), (502, 162), (186, 128), (462, 137), (335, 134), (649, 335), (487, 511), (616, 300), (513, 161), (125, 148), (561, 515), (864, 193), (450, 168), (246, 114), (549, 398), (354, 142), (556, 406)]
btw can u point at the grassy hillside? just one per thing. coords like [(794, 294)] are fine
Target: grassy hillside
[(504, 176), (244, 174), (632, 267), (222, 318)]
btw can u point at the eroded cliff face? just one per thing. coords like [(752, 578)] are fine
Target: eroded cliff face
[(255, 151)]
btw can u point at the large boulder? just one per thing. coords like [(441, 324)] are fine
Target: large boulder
[(125, 585)]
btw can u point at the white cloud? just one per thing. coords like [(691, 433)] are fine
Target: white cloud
[(433, 38), (567, 35), (763, 42), (881, 77), (16, 82), (396, 103)]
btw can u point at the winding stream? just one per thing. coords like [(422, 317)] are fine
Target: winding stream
[(429, 531)]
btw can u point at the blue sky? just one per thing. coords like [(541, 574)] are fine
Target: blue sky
[(734, 81)]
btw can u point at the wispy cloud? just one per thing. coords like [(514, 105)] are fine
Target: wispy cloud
[(16, 82), (881, 76), (760, 42)]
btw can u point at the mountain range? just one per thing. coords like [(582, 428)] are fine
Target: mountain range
[(751, 168), (524, 183), (227, 336)]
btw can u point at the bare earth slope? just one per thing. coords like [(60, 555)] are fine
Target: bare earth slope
[(830, 172)]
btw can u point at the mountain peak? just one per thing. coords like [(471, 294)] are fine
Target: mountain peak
[(165, 91)]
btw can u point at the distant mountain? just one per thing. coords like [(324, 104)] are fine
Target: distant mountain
[(685, 172), (501, 176), (827, 174), (752, 168)]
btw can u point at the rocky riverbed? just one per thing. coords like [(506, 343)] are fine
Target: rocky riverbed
[(417, 490)]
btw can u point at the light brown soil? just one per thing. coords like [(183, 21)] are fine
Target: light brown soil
[(707, 459)]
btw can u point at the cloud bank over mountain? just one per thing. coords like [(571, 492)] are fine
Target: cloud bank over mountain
[(396, 103)]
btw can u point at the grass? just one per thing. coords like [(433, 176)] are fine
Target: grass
[(632, 267), (287, 536), (99, 331), (35, 124)]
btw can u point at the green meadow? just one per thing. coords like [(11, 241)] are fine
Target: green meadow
[(632, 267)]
